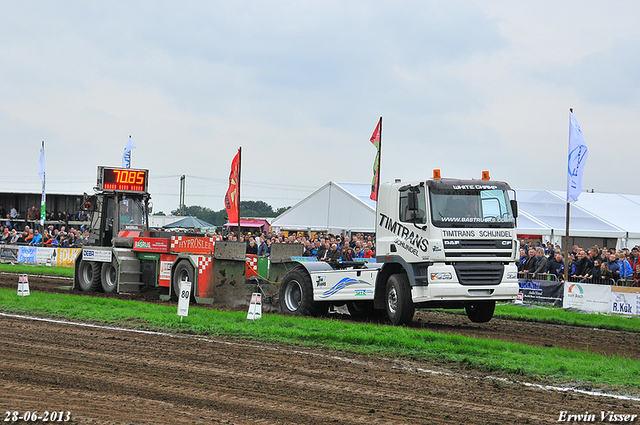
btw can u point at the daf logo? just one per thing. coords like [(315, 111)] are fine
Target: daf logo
[(451, 242)]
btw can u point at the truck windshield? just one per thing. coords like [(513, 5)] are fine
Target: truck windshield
[(471, 208), (131, 214)]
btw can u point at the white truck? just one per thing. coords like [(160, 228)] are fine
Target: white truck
[(440, 243)]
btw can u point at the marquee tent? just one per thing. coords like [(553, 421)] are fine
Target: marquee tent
[(335, 207)]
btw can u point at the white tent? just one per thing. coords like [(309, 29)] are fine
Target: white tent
[(335, 207)]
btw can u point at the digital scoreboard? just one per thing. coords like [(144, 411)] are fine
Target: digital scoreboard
[(123, 180)]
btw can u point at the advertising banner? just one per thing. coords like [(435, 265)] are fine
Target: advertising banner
[(541, 291), (27, 254), (67, 256), (46, 256), (164, 276), (151, 244), (625, 300), (192, 244), (96, 255), (587, 297)]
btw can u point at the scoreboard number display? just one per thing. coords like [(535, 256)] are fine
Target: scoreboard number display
[(123, 180)]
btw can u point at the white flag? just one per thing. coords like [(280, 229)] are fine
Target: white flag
[(577, 158), (126, 156), (41, 173)]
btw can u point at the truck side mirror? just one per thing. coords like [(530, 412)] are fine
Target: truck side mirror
[(514, 208)]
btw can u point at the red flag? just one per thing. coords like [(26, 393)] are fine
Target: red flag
[(375, 183), (231, 199)]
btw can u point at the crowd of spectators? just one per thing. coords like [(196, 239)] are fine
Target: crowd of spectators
[(594, 265), (14, 220), (322, 246), (50, 237)]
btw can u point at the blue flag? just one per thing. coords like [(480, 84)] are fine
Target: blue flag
[(126, 156), (577, 157)]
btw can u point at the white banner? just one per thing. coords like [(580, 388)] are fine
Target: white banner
[(627, 302), (587, 297)]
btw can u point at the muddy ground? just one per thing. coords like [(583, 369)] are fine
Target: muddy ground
[(117, 376)]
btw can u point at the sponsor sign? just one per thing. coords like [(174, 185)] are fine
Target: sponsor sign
[(96, 255), (625, 300), (46, 256), (183, 299), (27, 254), (192, 244), (67, 256), (151, 244), (587, 297), (164, 275)]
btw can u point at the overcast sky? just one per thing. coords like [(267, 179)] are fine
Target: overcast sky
[(299, 85)]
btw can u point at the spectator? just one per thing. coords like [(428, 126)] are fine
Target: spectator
[(36, 239), (636, 276), (522, 260), (251, 247), (6, 236), (346, 253), (624, 267), (530, 264), (333, 255), (46, 238), (13, 213), (610, 269), (541, 262), (15, 237), (556, 265), (583, 265), (368, 253)]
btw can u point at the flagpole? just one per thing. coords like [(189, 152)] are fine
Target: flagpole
[(566, 234), (239, 174), (130, 154), (43, 200)]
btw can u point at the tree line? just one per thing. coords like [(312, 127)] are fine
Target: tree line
[(218, 218)]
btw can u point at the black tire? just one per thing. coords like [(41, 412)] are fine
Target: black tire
[(89, 275), (400, 308), (184, 272), (296, 295), (481, 311), (361, 308), (110, 276)]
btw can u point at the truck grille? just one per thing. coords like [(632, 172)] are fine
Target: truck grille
[(459, 248), (479, 273)]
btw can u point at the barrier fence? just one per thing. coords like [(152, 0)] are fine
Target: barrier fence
[(21, 254), (601, 296)]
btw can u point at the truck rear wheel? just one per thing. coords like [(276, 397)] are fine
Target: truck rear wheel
[(399, 305), (109, 276), (296, 295), (184, 272), (89, 275), (481, 311)]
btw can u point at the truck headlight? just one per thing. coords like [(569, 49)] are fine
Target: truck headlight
[(512, 275), (441, 276)]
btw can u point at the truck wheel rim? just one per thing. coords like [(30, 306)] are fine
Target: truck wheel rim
[(293, 296), (392, 300)]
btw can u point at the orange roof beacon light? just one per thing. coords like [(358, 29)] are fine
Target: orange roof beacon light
[(436, 174), (485, 175)]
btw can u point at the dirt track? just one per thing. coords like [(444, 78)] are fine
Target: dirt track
[(121, 376)]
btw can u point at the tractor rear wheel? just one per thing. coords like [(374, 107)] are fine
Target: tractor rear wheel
[(110, 272), (89, 275), (184, 272)]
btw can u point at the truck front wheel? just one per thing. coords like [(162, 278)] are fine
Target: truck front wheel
[(296, 295), (89, 275), (400, 307), (481, 311)]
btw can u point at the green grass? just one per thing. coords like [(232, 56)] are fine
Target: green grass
[(43, 270), (567, 317), (553, 365)]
